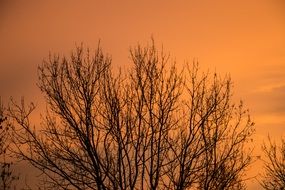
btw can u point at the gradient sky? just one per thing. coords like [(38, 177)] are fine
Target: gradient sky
[(245, 38)]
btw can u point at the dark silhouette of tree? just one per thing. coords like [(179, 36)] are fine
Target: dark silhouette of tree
[(274, 165), (7, 176), (150, 128)]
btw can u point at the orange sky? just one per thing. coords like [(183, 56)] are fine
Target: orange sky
[(245, 38)]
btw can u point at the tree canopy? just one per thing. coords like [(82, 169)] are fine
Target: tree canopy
[(151, 127)]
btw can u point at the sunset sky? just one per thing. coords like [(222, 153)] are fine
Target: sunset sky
[(245, 38)]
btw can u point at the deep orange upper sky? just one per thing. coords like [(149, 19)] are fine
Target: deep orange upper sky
[(245, 38)]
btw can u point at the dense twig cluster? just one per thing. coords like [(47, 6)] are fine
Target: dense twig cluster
[(7, 177), (274, 165)]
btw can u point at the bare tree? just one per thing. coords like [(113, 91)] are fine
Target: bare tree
[(274, 165), (150, 128)]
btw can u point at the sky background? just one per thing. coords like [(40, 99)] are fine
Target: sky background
[(245, 38)]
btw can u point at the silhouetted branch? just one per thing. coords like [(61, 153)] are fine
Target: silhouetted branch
[(274, 165)]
